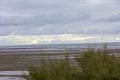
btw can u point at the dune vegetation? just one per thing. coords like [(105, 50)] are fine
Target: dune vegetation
[(91, 65)]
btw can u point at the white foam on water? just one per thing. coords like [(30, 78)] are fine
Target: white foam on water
[(12, 73), (11, 78)]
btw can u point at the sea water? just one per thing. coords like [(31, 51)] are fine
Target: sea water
[(60, 47)]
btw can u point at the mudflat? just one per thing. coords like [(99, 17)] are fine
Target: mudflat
[(17, 60)]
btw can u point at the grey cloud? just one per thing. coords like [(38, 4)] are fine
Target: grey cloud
[(115, 18), (36, 17), (43, 19), (73, 28)]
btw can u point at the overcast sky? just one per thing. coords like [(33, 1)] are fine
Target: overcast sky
[(58, 17)]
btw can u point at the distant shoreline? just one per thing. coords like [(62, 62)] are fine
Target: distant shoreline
[(60, 44)]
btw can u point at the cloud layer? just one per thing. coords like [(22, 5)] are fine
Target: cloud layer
[(57, 17), (63, 38)]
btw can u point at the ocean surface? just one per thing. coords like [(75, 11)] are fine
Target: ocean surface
[(60, 47)]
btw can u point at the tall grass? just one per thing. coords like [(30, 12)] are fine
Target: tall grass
[(92, 65)]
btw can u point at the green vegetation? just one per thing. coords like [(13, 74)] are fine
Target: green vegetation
[(92, 65)]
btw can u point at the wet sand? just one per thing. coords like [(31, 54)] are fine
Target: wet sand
[(17, 60)]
